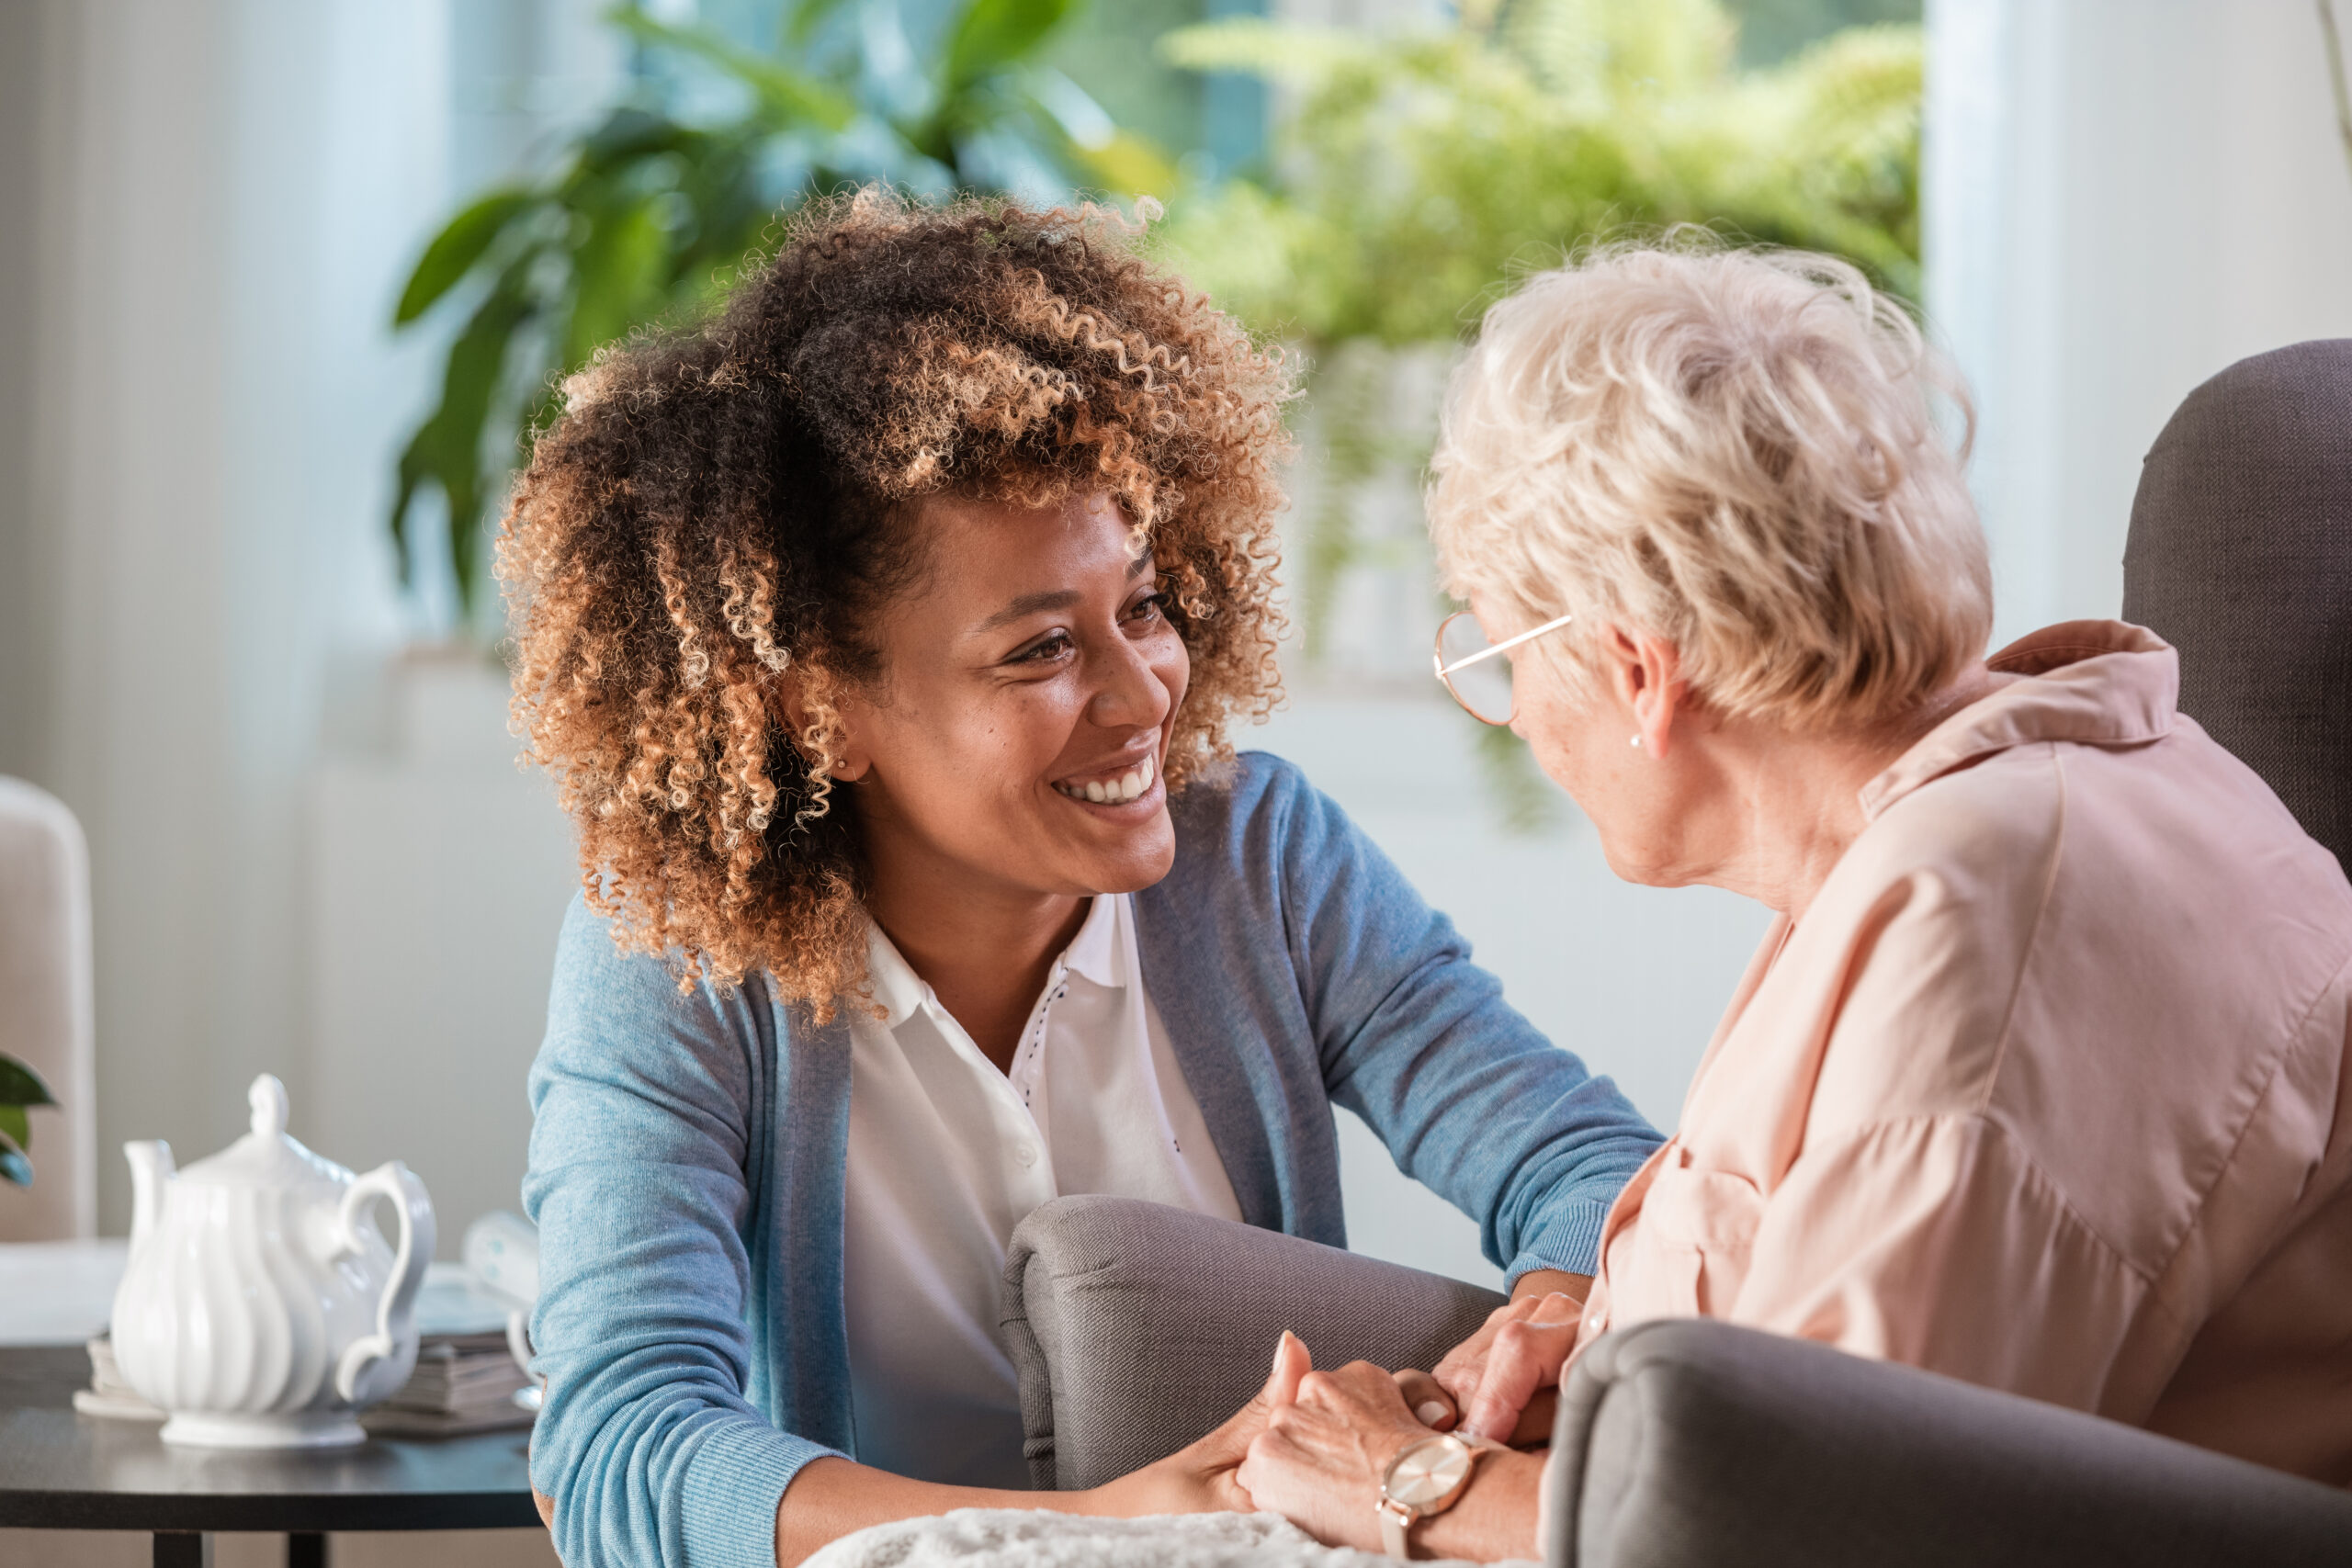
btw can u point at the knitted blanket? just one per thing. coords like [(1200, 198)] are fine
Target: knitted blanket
[(1010, 1537)]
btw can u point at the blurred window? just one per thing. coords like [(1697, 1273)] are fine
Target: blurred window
[(1771, 30)]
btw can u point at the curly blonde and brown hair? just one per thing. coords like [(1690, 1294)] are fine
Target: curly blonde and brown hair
[(721, 505)]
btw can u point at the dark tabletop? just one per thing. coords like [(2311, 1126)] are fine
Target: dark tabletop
[(61, 1469)]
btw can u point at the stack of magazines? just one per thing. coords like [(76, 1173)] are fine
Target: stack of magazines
[(463, 1383), (107, 1393)]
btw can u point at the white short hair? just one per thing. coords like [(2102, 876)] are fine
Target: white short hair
[(1735, 451)]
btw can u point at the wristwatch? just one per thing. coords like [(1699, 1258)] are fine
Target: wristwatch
[(1428, 1475)]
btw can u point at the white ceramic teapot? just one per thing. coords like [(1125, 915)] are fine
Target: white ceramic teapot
[(261, 1308)]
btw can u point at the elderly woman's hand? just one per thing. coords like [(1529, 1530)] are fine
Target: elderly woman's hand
[(1320, 1457), (1500, 1379)]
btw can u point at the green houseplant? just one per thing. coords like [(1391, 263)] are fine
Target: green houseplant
[(1417, 170), (21, 1090), (650, 211)]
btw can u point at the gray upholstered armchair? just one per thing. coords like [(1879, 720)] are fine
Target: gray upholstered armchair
[(1681, 1445), (1138, 1329)]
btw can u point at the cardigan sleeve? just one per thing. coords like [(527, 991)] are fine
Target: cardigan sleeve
[(1470, 1099), (642, 1101)]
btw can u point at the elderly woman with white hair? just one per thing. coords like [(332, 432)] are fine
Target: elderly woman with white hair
[(2039, 1076)]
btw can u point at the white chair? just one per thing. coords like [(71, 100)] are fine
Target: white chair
[(45, 1011)]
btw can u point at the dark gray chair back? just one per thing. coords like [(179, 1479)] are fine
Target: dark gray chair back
[(2240, 556), (1697, 1444)]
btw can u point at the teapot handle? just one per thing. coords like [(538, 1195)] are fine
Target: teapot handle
[(394, 1180)]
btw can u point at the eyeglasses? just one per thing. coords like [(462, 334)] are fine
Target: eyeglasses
[(1467, 662)]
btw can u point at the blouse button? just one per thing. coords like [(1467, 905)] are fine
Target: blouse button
[(1026, 1153)]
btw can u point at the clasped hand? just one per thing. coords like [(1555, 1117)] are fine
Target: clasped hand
[(1312, 1446)]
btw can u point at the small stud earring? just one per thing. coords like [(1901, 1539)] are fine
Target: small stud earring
[(1637, 742)]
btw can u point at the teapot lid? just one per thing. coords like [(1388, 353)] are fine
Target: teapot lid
[(265, 1156)]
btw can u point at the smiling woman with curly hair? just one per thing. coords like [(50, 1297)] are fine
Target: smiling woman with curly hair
[(882, 634), (715, 512)]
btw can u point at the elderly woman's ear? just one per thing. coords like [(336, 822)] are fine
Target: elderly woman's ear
[(1633, 684), (1647, 675)]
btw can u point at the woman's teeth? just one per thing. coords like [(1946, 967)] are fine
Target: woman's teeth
[(1125, 787)]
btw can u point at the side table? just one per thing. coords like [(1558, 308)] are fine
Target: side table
[(63, 1471), (60, 1470)]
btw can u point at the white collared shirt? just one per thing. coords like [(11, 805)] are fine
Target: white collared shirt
[(946, 1155)]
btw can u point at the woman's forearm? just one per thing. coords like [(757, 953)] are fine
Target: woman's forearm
[(831, 1497), (1493, 1519)]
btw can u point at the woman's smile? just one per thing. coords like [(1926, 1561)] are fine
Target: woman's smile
[(1129, 786)]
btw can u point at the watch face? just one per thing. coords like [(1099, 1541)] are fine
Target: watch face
[(1428, 1471)]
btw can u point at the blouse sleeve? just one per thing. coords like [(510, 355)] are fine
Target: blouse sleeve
[(1470, 1099), (641, 1144)]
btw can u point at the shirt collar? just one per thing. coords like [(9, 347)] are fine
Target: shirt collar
[(1098, 952), (891, 979), (2097, 682)]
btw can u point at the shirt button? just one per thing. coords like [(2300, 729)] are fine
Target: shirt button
[(1026, 1153)]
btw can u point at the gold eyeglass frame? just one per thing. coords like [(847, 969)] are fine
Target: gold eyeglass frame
[(1445, 671)]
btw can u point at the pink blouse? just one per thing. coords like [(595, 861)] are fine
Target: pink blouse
[(2051, 1089)]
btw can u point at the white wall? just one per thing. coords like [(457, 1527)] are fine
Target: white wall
[(140, 709), (24, 549), (225, 195), (2123, 196), (438, 877)]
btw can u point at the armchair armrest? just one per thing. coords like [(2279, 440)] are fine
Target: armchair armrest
[(1136, 1328), (1697, 1443)]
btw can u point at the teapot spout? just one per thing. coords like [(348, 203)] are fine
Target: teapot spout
[(151, 1166)]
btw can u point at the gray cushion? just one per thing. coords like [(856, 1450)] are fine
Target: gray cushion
[(1136, 1328), (2240, 556), (1696, 1443)]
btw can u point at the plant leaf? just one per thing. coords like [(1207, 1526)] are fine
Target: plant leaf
[(790, 97), (624, 136), (1297, 53), (1128, 164), (478, 372), (15, 1126), (455, 249), (19, 1085), (617, 279), (808, 16), (993, 34), (415, 466), (15, 1168), (447, 450)]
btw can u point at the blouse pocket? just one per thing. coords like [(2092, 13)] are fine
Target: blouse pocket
[(1698, 1228)]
